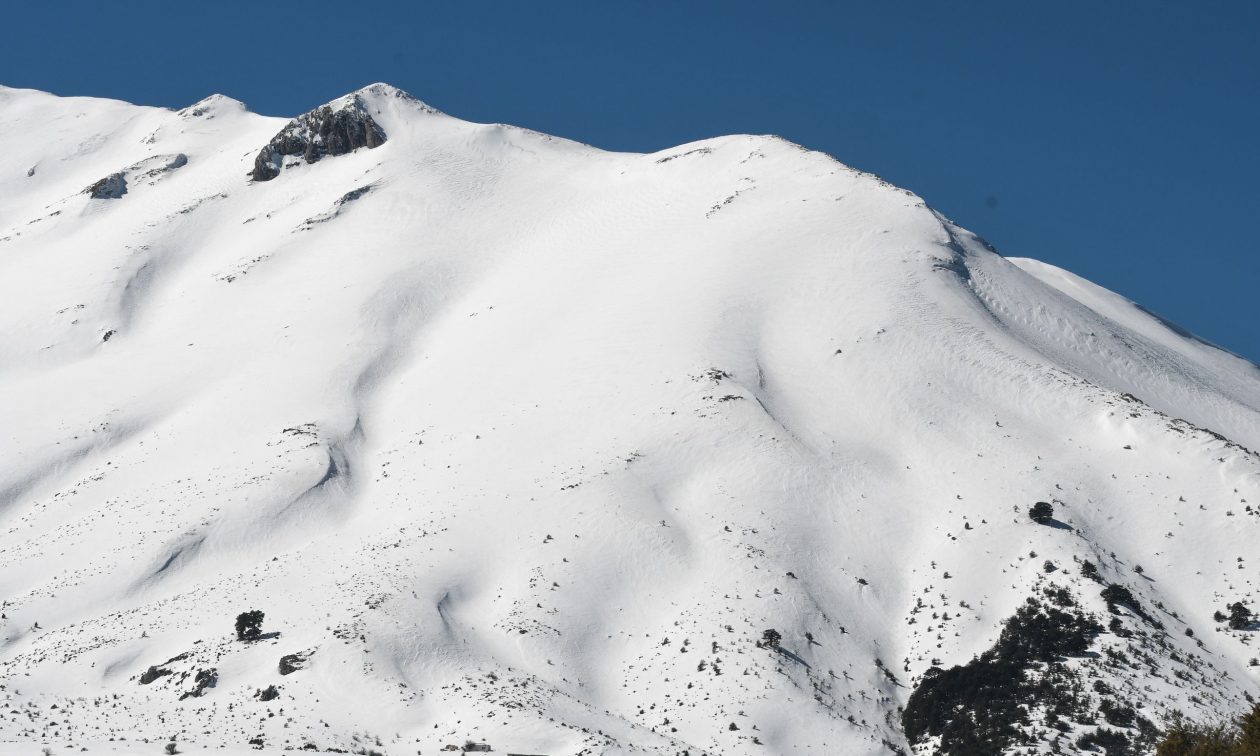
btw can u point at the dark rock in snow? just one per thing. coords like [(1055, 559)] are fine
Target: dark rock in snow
[(153, 673), (112, 186), (290, 663), (333, 129), (337, 207), (354, 194), (149, 170), (205, 678), (160, 164)]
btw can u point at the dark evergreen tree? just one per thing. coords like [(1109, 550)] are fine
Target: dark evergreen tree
[(1042, 512), (1239, 616), (1249, 732), (771, 638), (249, 625)]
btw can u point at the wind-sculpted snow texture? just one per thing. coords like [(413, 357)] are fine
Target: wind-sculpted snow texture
[(518, 442)]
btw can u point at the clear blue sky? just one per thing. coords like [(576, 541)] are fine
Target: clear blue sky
[(1116, 139)]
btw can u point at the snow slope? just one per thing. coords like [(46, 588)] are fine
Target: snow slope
[(518, 441)]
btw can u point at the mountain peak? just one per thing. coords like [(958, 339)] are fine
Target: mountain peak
[(382, 89), (493, 429), (334, 128), (213, 105), (377, 94)]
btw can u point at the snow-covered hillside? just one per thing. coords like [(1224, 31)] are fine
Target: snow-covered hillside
[(521, 442)]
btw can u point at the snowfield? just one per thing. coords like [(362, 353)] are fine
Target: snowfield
[(520, 442)]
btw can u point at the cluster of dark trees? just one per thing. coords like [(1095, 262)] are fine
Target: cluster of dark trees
[(1239, 617), (1241, 738), (981, 708)]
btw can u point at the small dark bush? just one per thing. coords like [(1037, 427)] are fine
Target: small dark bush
[(1117, 714)]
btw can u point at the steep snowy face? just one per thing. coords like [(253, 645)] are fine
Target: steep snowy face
[(724, 449)]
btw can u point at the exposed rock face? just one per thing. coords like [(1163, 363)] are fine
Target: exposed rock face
[(205, 678), (337, 208), (153, 673), (290, 663), (150, 170), (333, 129), (158, 165), (112, 186)]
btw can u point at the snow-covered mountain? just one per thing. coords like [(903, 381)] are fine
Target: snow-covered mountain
[(520, 442)]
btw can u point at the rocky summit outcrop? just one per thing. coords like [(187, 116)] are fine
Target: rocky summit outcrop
[(333, 129)]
